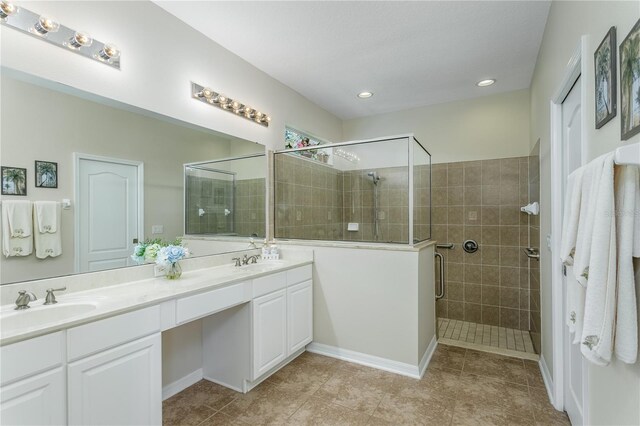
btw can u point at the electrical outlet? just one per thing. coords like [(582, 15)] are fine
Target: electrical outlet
[(158, 271), (157, 229), (382, 215), (473, 215)]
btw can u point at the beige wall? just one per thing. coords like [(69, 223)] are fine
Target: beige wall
[(495, 126), (43, 124), (614, 390)]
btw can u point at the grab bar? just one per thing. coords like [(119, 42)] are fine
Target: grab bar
[(445, 246), (532, 253), (440, 293)]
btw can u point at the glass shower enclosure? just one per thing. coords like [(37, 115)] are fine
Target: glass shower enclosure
[(376, 190)]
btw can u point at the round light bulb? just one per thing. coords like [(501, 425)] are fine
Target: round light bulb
[(268, 119), (485, 83), (207, 93), (235, 105), (7, 9), (259, 114), (222, 99), (46, 25), (80, 39), (109, 52)]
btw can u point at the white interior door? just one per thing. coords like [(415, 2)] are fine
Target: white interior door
[(108, 208), (574, 368)]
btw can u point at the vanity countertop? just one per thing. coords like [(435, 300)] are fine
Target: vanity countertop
[(117, 299)]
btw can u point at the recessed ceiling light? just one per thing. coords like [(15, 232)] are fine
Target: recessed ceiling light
[(365, 95), (485, 83)]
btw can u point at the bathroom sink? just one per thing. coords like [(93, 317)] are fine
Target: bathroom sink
[(12, 320), (264, 266)]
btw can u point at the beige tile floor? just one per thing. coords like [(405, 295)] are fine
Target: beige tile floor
[(461, 387), (483, 335)]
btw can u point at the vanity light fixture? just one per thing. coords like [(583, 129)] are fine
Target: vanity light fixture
[(485, 83), (7, 9), (211, 97), (50, 30), (365, 95)]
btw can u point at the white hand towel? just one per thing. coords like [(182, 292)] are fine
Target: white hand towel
[(588, 200), (575, 306), (48, 244), (13, 246), (627, 214), (46, 216), (571, 216), (19, 218), (601, 279)]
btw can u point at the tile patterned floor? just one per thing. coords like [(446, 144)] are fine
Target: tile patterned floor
[(461, 387), (485, 335)]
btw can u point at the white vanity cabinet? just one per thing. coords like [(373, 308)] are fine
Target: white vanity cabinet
[(299, 316), (114, 375), (32, 382), (269, 331)]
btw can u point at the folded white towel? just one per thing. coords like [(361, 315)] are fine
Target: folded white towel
[(19, 218), (576, 294), (627, 194), (48, 243), (571, 216), (15, 246), (590, 185), (46, 213), (601, 278)]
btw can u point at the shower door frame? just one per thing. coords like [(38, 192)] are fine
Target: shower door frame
[(410, 137)]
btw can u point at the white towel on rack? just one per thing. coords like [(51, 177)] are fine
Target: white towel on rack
[(48, 244), (46, 213), (19, 217), (628, 236), (601, 277), (571, 216), (588, 200), (16, 246)]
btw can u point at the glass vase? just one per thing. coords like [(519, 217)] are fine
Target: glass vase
[(174, 271)]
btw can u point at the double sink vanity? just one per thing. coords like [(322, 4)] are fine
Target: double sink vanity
[(95, 357)]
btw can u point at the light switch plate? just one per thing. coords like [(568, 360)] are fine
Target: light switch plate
[(157, 229)]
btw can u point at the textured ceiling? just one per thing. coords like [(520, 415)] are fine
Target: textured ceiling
[(408, 53)]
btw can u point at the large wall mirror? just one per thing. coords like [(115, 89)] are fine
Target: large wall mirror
[(92, 143)]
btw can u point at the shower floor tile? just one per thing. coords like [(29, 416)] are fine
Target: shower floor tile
[(488, 338)]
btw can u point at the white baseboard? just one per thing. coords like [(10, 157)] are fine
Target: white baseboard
[(181, 384), (226, 385), (426, 358), (547, 379), (367, 360)]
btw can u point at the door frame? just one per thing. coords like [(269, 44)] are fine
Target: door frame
[(77, 157), (576, 67)]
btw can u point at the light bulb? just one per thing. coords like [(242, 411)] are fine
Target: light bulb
[(235, 105), (7, 9), (46, 25), (258, 114), (247, 110), (268, 119), (205, 93), (109, 52), (80, 39), (222, 99)]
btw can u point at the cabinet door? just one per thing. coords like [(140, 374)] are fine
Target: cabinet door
[(37, 400), (120, 386), (299, 316), (269, 331)]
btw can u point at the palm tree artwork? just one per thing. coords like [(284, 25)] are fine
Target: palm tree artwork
[(630, 81), (14, 181), (46, 174), (603, 82)]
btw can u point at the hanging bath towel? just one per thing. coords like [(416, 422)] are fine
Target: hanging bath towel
[(628, 236), (17, 239), (47, 218)]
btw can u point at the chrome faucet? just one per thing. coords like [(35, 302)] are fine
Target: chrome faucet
[(237, 260), (51, 298), (24, 297), (253, 259)]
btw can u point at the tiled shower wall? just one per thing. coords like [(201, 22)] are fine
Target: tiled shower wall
[(534, 241), (250, 214), (481, 200)]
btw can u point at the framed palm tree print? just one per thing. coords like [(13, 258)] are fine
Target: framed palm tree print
[(14, 181), (630, 83), (604, 60), (46, 174)]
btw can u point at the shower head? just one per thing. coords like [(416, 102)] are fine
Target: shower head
[(374, 175)]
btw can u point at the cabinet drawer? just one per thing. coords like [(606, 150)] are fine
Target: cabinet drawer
[(270, 283), (31, 356), (99, 335), (203, 304), (298, 275)]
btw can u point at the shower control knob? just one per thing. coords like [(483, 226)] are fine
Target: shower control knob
[(470, 246)]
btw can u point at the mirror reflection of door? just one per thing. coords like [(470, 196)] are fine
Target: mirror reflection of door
[(108, 216)]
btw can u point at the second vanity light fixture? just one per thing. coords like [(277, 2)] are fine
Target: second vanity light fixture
[(207, 95), (49, 29)]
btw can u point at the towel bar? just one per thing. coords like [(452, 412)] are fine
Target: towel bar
[(628, 155)]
